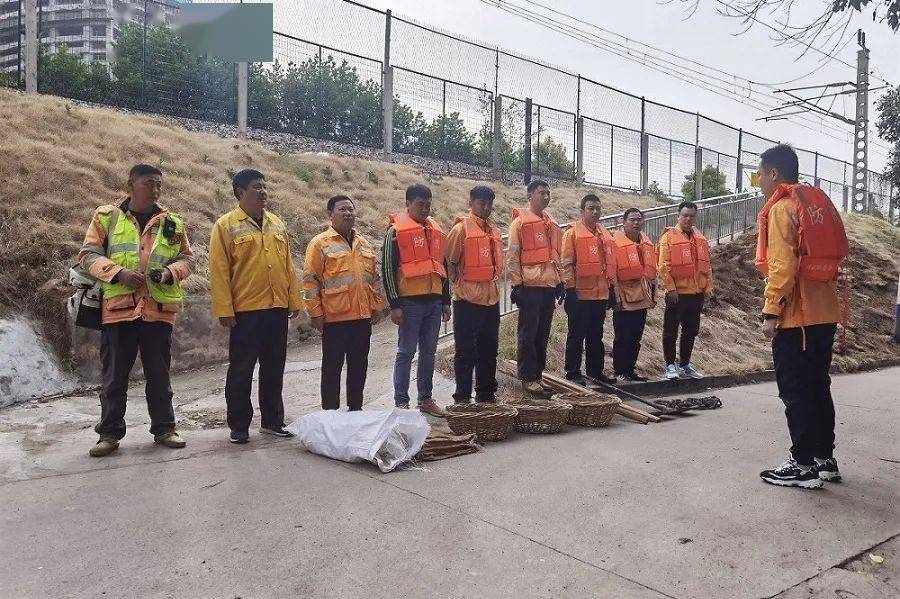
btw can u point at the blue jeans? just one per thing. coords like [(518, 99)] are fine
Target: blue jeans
[(420, 329)]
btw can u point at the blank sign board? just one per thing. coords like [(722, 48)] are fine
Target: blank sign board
[(232, 32)]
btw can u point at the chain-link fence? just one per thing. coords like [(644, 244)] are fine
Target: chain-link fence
[(452, 99)]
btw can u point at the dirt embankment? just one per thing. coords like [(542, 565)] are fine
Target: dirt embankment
[(730, 340), (59, 161)]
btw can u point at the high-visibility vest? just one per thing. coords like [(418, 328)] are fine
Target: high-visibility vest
[(420, 254), (483, 252), (634, 260), (540, 237), (822, 238), (123, 246), (688, 255), (590, 252)]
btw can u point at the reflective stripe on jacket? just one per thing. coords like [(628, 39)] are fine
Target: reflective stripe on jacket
[(341, 282)]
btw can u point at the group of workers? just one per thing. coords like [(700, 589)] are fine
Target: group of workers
[(139, 251)]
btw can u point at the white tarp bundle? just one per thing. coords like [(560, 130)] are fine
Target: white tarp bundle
[(387, 438)]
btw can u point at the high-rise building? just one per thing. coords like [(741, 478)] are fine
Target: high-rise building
[(86, 27)]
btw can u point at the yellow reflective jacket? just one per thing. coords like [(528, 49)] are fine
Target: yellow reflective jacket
[(250, 268), (341, 282)]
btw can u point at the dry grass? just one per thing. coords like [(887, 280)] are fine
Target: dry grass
[(59, 161), (730, 339)]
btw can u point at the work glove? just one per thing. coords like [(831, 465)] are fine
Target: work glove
[(611, 304), (514, 294), (560, 293)]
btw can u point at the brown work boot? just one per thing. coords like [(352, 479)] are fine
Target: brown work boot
[(170, 439), (534, 388), (105, 446), (428, 406)]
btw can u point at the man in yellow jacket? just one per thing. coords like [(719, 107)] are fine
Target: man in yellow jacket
[(342, 293), (686, 271), (533, 261), (140, 253), (254, 292), (588, 273), (800, 316)]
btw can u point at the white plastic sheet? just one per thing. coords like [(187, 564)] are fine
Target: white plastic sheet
[(387, 438)]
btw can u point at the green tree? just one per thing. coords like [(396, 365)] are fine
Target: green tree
[(713, 183), (322, 98), (408, 128), (888, 125), (447, 137), (264, 96), (64, 73), (549, 157)]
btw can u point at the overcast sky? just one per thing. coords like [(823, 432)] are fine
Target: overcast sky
[(706, 36)]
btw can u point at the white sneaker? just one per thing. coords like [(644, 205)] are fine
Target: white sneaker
[(671, 372), (689, 370)]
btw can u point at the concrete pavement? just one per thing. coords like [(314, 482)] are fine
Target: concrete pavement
[(668, 510)]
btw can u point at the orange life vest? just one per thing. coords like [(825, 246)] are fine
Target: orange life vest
[(689, 255), (590, 252), (823, 240), (634, 260), (483, 255), (540, 238), (421, 254)]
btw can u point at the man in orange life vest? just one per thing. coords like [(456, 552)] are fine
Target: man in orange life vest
[(800, 247), (475, 263), (687, 276), (533, 262), (588, 273), (415, 283), (635, 293)]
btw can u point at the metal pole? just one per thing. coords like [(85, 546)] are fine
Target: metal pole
[(698, 173), (537, 157), (31, 46), (526, 155), (498, 137), (670, 168), (860, 199), (579, 148), (19, 45), (497, 72), (739, 181), (387, 91), (816, 180), (243, 76), (612, 156), (443, 118), (144, 60), (645, 149)]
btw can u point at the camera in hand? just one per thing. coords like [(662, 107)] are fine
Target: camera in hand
[(156, 275)]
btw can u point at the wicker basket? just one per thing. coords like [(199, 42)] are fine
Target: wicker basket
[(594, 409), (488, 422), (540, 416)]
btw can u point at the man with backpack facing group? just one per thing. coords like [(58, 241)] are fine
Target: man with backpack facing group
[(800, 247)]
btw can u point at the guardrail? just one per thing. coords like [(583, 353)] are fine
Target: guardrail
[(718, 218)]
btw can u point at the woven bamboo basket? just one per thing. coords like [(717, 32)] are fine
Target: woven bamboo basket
[(488, 422), (594, 409), (540, 416)]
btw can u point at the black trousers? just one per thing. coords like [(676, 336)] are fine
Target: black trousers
[(535, 317), (586, 318), (119, 345), (345, 340), (259, 335), (629, 328), (804, 386), (476, 331), (686, 313)]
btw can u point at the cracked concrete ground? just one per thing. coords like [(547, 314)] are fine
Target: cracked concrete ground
[(674, 509)]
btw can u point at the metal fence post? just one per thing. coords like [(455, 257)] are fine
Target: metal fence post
[(698, 173), (846, 199), (19, 45), (497, 142), (645, 149), (537, 153), (526, 157), (816, 181), (31, 46), (444, 118), (144, 60), (579, 148), (387, 91), (739, 181)]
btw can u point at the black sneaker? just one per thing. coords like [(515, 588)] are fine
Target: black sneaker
[(239, 438), (577, 379), (277, 431), (828, 470), (792, 474), (636, 378)]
